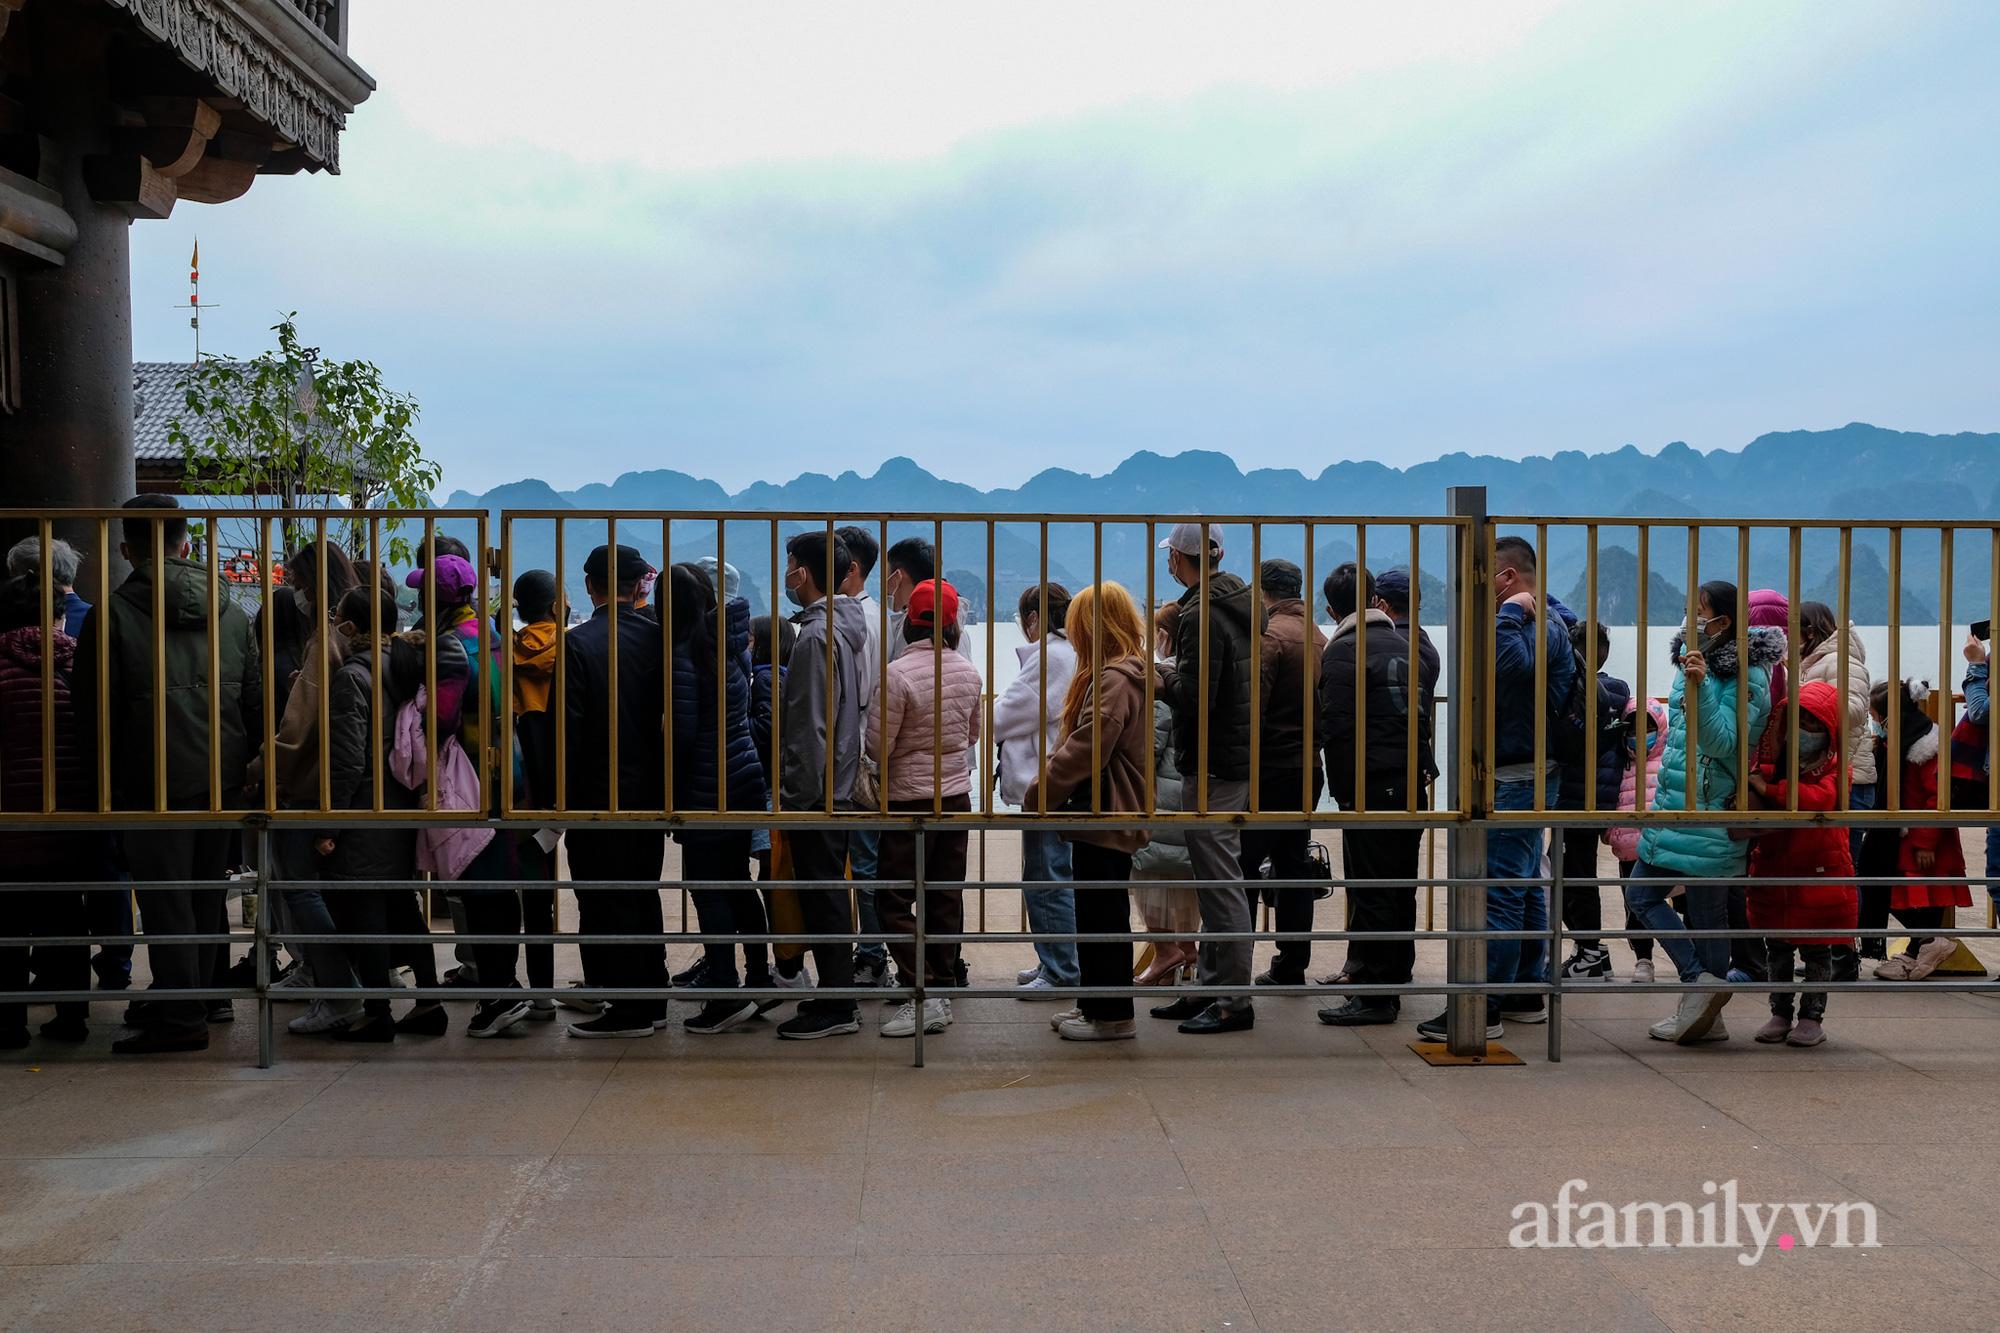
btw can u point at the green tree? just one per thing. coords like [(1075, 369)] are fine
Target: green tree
[(290, 428)]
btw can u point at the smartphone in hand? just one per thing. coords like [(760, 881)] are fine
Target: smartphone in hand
[(1982, 630)]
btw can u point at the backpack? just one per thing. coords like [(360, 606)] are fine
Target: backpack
[(1568, 723)]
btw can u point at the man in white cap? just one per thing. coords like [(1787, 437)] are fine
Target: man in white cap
[(1208, 691)]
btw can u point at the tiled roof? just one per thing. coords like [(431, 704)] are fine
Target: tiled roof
[(156, 398)]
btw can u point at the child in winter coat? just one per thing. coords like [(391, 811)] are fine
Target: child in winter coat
[(1923, 852), (1813, 861), (1625, 841)]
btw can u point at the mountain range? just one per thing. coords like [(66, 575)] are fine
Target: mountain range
[(1857, 473)]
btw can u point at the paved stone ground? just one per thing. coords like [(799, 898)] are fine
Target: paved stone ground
[(1296, 1177)]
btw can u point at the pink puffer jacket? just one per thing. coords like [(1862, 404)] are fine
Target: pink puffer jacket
[(1625, 841), (900, 735)]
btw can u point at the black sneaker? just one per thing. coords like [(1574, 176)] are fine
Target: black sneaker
[(1524, 1011), (426, 1018), (812, 1024), (494, 1017), (1359, 1014), (1433, 1029), (721, 1015), (66, 1028), (1587, 964), (221, 1011), (691, 977), (610, 1023), (156, 1041)]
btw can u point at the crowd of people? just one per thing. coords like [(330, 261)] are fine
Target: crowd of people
[(674, 696)]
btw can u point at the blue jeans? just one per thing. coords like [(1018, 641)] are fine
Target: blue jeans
[(1515, 852), (1861, 796), (1045, 858), (862, 856), (1707, 909)]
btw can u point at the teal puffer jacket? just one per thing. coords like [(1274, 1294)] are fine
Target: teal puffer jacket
[(1705, 852)]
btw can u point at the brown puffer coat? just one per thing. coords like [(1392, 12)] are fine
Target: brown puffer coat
[(1120, 720)]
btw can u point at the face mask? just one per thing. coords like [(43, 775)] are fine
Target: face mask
[(303, 602), (1813, 746), (794, 596)]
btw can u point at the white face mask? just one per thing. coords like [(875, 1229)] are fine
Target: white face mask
[(302, 601)]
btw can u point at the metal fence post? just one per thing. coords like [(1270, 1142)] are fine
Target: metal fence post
[(1556, 876), (261, 942), (917, 979), (1469, 598)]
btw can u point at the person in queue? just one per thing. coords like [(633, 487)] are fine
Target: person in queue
[(174, 859), (1514, 851), (1922, 852), (1288, 764), (871, 960), (1161, 869), (1382, 781), (1104, 728), (1027, 721), (820, 735), (1978, 653), (540, 607), (1707, 677), (1583, 904), (1211, 689), (929, 717), (1821, 637)]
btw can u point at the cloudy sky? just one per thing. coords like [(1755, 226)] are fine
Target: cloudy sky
[(751, 239)]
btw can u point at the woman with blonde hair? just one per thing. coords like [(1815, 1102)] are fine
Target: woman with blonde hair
[(1104, 725)]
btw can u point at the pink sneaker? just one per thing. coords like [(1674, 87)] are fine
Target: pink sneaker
[(1774, 1031), (1895, 969), (1807, 1032), (1931, 957)]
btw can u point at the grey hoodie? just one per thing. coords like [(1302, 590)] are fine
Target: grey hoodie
[(810, 709)]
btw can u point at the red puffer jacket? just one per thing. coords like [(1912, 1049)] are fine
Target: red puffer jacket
[(1816, 859), (21, 747), (1920, 792)]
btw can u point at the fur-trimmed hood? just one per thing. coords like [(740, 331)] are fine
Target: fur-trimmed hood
[(1767, 650)]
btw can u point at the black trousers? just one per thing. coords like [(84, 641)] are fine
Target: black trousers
[(1390, 854), (945, 855), (199, 855), (819, 871), (1286, 849), (494, 911), (404, 913), (538, 917), (366, 912), (1582, 904), (57, 967), (621, 854), (725, 858), (1103, 912)]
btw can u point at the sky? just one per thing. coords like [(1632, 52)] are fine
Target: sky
[(752, 239)]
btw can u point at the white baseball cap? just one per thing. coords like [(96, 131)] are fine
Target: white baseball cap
[(1186, 538)]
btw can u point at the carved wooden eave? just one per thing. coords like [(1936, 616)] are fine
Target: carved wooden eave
[(264, 56)]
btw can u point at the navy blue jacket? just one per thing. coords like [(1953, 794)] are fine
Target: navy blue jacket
[(1514, 679), (1614, 695), (694, 717)]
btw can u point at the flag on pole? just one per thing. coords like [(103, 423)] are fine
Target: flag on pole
[(194, 262)]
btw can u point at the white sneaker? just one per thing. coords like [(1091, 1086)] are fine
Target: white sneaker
[(1027, 974), (1696, 1014), (803, 981), (1062, 1016), (1642, 970), (542, 1011), (1026, 990), (296, 979), (324, 1016), (1103, 1029), (903, 1023), (582, 1004)]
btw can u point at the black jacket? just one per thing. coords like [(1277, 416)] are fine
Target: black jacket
[(1228, 684), (1388, 695), (130, 668), (365, 851), (641, 687)]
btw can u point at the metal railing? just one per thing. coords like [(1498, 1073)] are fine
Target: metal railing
[(1464, 546)]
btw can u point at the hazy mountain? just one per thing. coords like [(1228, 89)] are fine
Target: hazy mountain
[(1855, 472), (1618, 592)]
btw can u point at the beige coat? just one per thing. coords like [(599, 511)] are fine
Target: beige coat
[(1823, 663), (1121, 722), (297, 744), (905, 724)]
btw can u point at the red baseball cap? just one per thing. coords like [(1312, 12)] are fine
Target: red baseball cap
[(932, 595)]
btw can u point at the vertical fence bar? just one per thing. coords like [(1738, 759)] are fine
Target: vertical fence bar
[(268, 648), (1416, 688), (937, 675), (827, 595), (1470, 632), (490, 758), (1490, 632), (1542, 674), (612, 581), (1643, 713), (1792, 673), (261, 931), (46, 619), (105, 657), (1740, 623), (431, 661), (778, 666), (1097, 671), (1843, 604), (1360, 668), (1691, 642), (1557, 874), (1152, 650), (214, 628), (917, 982), (159, 665), (1590, 719), (666, 587), (507, 667), (378, 662), (721, 661), (1945, 717), (1311, 678), (559, 704), (1201, 677), (989, 697), (1896, 691), (1992, 714), (322, 633), (1256, 664), (881, 682)]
